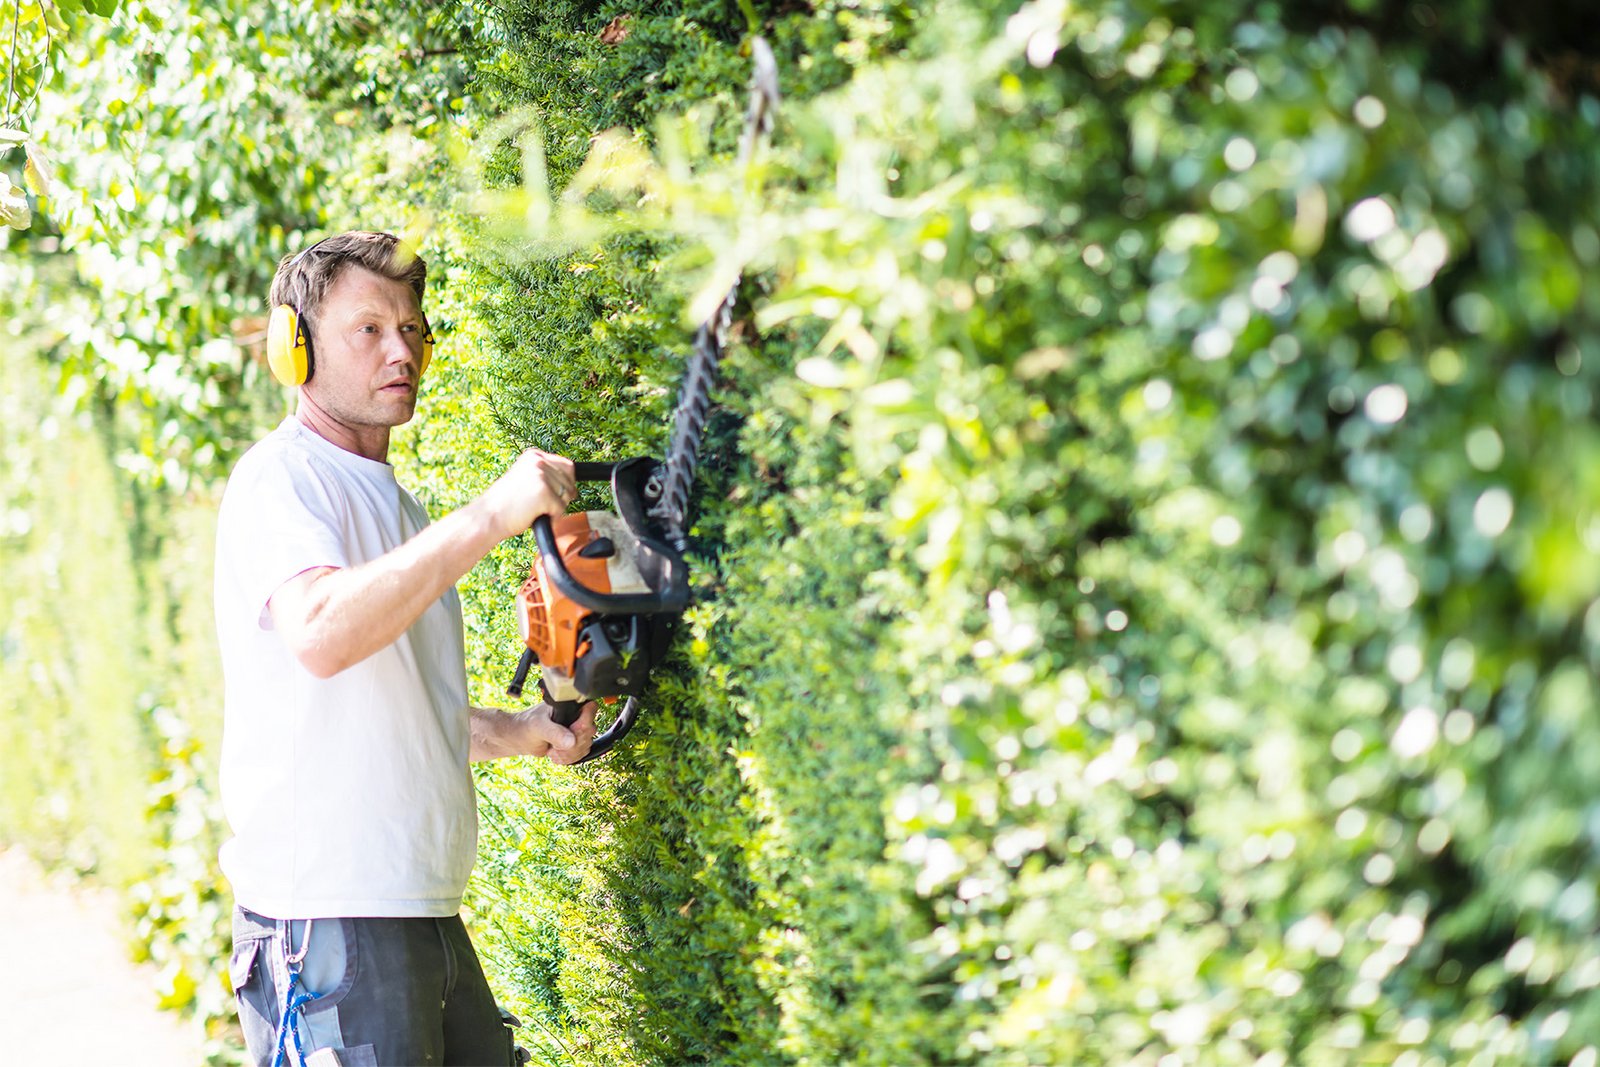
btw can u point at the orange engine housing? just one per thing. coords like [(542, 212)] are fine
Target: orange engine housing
[(550, 621)]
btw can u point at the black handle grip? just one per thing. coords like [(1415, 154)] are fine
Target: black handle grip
[(565, 712), (593, 471), (614, 733)]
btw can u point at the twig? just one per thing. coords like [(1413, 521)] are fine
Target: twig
[(11, 88), (44, 64)]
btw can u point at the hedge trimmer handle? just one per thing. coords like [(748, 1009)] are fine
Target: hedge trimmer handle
[(593, 470), (567, 712)]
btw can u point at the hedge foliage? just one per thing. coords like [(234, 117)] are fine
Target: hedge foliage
[(1147, 566), (1146, 554)]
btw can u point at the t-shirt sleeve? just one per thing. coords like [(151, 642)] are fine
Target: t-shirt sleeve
[(280, 516)]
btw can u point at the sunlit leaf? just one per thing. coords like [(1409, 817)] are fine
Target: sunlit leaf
[(39, 173)]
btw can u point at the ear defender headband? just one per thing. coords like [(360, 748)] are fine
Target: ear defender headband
[(289, 342)]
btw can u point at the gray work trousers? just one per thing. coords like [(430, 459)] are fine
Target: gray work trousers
[(389, 993)]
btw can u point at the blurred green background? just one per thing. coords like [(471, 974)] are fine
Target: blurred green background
[(1147, 554)]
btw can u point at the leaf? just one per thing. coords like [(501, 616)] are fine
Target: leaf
[(14, 210), (40, 172), (824, 373), (616, 30), (104, 8), (415, 231)]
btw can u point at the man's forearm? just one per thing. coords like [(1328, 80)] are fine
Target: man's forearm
[(346, 615), (497, 733)]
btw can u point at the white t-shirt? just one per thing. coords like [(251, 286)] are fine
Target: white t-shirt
[(351, 795)]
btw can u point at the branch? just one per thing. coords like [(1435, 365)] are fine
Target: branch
[(11, 88)]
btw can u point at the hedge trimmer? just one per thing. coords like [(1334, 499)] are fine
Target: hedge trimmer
[(599, 605)]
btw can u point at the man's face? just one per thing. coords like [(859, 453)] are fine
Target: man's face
[(367, 350)]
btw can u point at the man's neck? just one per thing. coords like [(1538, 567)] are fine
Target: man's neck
[(368, 442)]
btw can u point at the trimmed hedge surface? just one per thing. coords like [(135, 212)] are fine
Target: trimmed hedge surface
[(1144, 575)]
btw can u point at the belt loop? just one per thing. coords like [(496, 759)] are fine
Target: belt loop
[(280, 963)]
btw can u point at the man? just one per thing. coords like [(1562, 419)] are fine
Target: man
[(347, 732)]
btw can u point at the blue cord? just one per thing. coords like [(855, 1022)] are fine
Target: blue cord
[(292, 1003)]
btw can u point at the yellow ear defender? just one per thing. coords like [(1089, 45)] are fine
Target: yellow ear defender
[(288, 350), (289, 342)]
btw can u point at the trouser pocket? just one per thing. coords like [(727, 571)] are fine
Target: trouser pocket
[(516, 1055), (254, 993)]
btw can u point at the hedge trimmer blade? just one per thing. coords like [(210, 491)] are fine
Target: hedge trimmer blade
[(671, 494), (597, 610)]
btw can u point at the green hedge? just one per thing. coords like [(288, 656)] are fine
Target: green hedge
[(1153, 621), (620, 909)]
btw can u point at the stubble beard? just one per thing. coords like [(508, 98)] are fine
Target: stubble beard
[(368, 412)]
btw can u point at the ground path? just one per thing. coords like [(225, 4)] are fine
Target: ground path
[(68, 992)]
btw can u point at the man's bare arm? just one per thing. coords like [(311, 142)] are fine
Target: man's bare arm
[(332, 618), (497, 733)]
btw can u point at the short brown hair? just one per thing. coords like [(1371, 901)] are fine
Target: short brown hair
[(304, 278)]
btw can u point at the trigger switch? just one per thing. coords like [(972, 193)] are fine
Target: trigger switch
[(599, 548)]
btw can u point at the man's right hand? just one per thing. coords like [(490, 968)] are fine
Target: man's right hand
[(538, 483), (582, 732), (531, 732)]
